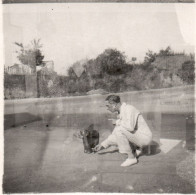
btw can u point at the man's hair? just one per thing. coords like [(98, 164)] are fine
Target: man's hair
[(113, 99)]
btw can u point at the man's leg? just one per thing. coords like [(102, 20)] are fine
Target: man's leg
[(111, 140), (122, 142), (140, 138), (137, 138), (124, 147)]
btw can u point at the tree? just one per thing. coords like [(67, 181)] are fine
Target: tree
[(133, 59), (93, 68), (111, 61), (165, 52), (192, 56), (30, 55), (118, 85), (187, 72), (150, 57), (71, 73)]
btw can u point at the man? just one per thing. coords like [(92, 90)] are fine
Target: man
[(131, 132)]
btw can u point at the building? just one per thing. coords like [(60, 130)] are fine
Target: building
[(78, 69), (46, 71), (47, 67), (19, 69)]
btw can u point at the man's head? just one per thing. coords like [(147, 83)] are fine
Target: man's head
[(113, 103)]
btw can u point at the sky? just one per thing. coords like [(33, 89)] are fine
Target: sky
[(72, 32)]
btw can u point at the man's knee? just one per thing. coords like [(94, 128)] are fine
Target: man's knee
[(118, 132)]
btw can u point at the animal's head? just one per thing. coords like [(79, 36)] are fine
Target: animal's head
[(87, 131), (84, 133)]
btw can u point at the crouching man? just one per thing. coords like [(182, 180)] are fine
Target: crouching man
[(131, 132)]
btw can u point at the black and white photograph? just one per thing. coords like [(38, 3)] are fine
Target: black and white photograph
[(98, 97)]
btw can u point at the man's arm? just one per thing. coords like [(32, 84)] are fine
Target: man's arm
[(97, 148), (126, 124), (106, 143), (127, 120)]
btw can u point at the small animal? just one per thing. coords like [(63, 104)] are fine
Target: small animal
[(90, 138)]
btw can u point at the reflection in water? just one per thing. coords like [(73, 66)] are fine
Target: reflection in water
[(17, 119)]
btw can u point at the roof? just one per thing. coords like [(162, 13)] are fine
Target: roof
[(78, 67), (21, 66), (14, 66), (46, 71)]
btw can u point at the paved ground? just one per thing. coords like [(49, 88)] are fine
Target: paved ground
[(41, 158), (51, 159)]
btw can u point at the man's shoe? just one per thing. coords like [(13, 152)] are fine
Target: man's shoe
[(129, 162)]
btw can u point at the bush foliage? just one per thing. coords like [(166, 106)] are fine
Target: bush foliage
[(111, 72)]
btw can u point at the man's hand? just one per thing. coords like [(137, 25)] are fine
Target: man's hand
[(97, 148)]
